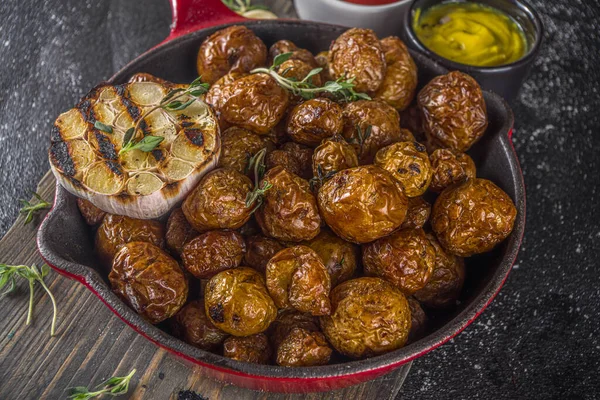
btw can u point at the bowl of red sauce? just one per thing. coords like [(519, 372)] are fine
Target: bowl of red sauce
[(385, 17)]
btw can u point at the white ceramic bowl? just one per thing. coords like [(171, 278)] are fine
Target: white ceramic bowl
[(385, 19)]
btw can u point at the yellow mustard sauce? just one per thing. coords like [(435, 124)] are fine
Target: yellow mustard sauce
[(470, 33)]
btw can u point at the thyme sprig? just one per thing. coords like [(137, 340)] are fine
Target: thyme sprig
[(29, 209), (114, 386), (362, 136), (170, 102), (8, 278), (256, 196), (318, 180), (342, 88), (242, 6)]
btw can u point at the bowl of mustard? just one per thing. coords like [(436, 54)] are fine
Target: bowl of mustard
[(495, 41)]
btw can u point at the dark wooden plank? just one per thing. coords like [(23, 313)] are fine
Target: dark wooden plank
[(92, 344)]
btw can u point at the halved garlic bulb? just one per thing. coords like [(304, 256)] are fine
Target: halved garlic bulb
[(138, 184)]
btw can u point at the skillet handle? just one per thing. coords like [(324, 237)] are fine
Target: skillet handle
[(191, 15)]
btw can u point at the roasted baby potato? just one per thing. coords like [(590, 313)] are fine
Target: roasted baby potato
[(323, 62), (259, 250), (149, 281), (363, 204), (370, 126), (333, 155), (450, 167), (289, 211), (417, 214), (215, 97), (213, 252), (297, 70), (179, 231), (446, 281), (453, 110), (405, 259), (90, 213), (369, 317), (254, 102), (193, 326), (357, 54), (219, 201), (285, 159), (418, 325), (296, 278), (251, 349), (314, 120), (304, 156), (400, 81), (287, 46), (238, 145), (235, 48), (339, 257), (237, 302), (472, 217), (409, 163), (117, 230), (298, 340)]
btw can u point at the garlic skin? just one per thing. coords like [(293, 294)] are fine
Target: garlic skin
[(143, 185)]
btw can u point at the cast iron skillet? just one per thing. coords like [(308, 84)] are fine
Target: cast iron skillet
[(64, 240)]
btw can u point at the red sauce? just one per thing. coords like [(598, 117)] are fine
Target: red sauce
[(371, 2)]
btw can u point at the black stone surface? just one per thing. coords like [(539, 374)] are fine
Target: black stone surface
[(538, 339)]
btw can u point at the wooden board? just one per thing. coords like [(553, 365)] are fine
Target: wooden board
[(93, 344)]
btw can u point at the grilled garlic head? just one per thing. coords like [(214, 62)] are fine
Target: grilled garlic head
[(86, 158)]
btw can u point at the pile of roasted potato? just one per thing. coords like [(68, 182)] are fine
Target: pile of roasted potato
[(345, 255)]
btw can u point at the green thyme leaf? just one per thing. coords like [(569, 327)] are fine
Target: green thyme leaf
[(127, 137), (280, 59), (103, 127)]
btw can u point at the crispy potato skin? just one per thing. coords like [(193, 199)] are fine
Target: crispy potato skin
[(298, 340), (259, 250), (215, 98), (251, 349), (450, 167), (446, 281), (238, 145), (289, 211), (304, 156), (400, 81), (418, 325), (314, 120), (213, 252), (363, 204), (409, 163), (235, 48), (254, 102), (357, 53), (287, 46), (339, 256), (237, 302), (453, 110), (284, 159), (385, 127), (296, 278), (298, 69), (91, 214), (179, 231), (219, 201), (369, 317), (193, 326), (149, 280), (418, 213), (472, 217), (116, 230), (302, 348), (405, 259), (332, 155)]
